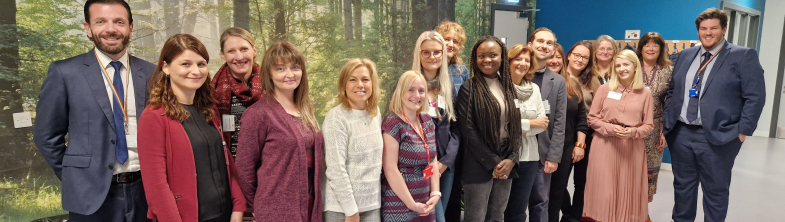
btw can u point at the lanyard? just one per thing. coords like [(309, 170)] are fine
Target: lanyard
[(651, 79), (695, 83), (420, 133), (125, 94)]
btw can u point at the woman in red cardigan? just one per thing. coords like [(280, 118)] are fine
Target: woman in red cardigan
[(280, 162), (187, 171)]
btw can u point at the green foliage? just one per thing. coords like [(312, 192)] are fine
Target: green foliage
[(29, 199)]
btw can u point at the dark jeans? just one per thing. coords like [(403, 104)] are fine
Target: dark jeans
[(559, 180), (445, 186), (538, 202), (520, 191), (124, 202), (486, 201)]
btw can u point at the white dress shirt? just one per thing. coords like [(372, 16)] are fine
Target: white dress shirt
[(132, 164)]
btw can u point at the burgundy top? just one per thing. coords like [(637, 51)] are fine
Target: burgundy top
[(272, 165)]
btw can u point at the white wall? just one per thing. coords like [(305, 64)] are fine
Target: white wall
[(771, 39)]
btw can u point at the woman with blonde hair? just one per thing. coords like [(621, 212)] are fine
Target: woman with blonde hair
[(279, 158), (188, 174), (353, 146), (621, 115), (604, 48), (454, 37), (429, 59), (410, 189)]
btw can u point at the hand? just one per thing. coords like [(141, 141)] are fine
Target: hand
[(418, 207), (742, 137), (541, 122), (622, 132), (663, 143), (550, 166), (237, 216), (442, 167), (577, 154), (503, 169), (430, 205), (353, 218)]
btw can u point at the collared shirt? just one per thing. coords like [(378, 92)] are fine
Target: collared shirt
[(132, 164), (459, 74), (696, 62)]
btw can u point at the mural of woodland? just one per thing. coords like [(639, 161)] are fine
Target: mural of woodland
[(34, 33)]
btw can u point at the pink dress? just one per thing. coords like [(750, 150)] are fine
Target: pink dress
[(616, 182)]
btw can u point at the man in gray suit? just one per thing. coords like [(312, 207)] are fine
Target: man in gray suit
[(714, 101), (95, 100), (554, 90)]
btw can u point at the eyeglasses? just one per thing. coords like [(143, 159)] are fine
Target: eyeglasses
[(582, 58), (427, 54), (605, 49)]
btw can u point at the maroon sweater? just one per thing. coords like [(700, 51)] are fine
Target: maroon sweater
[(271, 165)]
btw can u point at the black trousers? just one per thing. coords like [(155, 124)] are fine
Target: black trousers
[(573, 210), (559, 179)]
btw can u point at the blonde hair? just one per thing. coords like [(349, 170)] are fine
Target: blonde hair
[(443, 74), (460, 38), (404, 82), (346, 72), (282, 52), (595, 48), (637, 80)]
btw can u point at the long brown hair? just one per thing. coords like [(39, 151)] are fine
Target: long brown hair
[(283, 52), (585, 76), (160, 86)]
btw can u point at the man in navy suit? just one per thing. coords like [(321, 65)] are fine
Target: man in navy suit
[(714, 101), (95, 99)]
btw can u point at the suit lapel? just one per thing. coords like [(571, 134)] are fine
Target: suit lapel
[(717, 64), (140, 86), (547, 85), (92, 72)]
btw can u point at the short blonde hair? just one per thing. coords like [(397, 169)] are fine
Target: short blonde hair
[(346, 72), (404, 82), (637, 79), (460, 38)]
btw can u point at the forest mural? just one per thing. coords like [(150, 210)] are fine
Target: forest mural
[(34, 33)]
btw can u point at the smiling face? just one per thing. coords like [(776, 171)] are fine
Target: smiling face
[(625, 69), (358, 88), (651, 51), (555, 62), (450, 39), (239, 56), (543, 45), (433, 60), (711, 33), (187, 72), (489, 58), (286, 76), (604, 52), (109, 28), (579, 58), (414, 96), (520, 65)]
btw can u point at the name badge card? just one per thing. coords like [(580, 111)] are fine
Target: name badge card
[(547, 107), (131, 140), (614, 95), (531, 107), (693, 92), (228, 123)]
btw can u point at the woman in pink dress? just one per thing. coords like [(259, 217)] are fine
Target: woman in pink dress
[(621, 115)]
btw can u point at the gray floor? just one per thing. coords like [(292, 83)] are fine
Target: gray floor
[(757, 189)]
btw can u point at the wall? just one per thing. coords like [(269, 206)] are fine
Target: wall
[(771, 41)]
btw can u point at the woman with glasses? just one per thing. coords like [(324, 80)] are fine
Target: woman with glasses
[(556, 62), (578, 69), (430, 60), (604, 49), (621, 115), (656, 76)]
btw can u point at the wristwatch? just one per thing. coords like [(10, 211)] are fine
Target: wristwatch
[(436, 193)]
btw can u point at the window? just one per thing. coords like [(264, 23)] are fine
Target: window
[(744, 27)]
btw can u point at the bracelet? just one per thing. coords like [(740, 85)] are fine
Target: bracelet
[(436, 193), (580, 145)]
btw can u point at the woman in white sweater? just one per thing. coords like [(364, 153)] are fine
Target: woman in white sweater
[(533, 122), (354, 146)]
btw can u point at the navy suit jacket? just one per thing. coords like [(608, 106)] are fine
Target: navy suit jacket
[(733, 95), (74, 101)]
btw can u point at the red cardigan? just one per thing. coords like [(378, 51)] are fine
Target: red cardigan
[(168, 169), (271, 165)]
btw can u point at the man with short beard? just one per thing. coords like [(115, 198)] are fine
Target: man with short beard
[(84, 97)]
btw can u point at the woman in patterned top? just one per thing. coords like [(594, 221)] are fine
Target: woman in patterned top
[(410, 189), (656, 76)]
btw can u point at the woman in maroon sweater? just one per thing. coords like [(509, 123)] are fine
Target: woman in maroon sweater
[(279, 158), (187, 171)]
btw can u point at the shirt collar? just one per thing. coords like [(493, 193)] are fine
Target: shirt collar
[(105, 60), (541, 71), (715, 49)]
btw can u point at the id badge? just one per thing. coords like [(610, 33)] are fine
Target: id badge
[(228, 123), (614, 95), (694, 92), (547, 107), (131, 140), (427, 172)]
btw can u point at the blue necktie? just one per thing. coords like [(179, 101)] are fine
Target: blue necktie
[(692, 106), (121, 151)]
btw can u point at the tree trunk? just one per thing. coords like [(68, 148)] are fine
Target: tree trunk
[(172, 12), (347, 21), (242, 14), (358, 20), (280, 20), (190, 11), (446, 10), (224, 20), (11, 139), (144, 35)]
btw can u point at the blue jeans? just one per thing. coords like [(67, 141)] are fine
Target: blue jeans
[(521, 191), (445, 186)]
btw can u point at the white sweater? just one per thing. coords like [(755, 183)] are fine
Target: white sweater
[(531, 108), (353, 154)]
